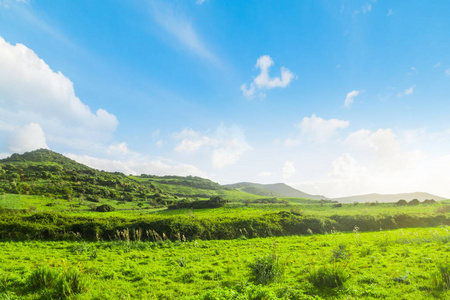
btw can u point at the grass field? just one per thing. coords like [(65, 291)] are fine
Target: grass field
[(400, 264)]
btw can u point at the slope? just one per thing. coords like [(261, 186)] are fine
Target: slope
[(273, 190)]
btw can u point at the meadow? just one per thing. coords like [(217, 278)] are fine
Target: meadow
[(397, 264), (55, 242)]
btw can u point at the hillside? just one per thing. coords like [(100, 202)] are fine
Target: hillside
[(53, 176), (388, 197), (273, 190)]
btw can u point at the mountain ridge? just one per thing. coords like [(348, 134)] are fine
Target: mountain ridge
[(373, 197), (273, 190)]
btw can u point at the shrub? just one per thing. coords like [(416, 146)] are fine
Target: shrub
[(105, 208), (414, 202), (401, 202), (267, 269), (429, 201)]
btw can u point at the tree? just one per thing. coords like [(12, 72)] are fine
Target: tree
[(401, 202), (414, 202)]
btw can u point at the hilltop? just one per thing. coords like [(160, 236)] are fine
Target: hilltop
[(52, 175), (273, 190)]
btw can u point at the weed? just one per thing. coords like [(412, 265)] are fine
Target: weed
[(182, 261), (441, 278), (72, 282), (42, 277), (61, 282), (267, 269), (340, 253), (328, 276), (402, 279)]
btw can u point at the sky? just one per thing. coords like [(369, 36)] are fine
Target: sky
[(335, 98)]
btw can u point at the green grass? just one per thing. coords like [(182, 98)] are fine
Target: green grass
[(378, 265)]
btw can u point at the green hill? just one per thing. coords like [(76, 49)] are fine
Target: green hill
[(53, 176), (273, 190)]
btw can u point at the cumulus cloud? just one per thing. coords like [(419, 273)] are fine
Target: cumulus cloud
[(264, 81), (26, 138), (378, 162), (350, 96), (139, 164), (319, 130), (192, 141), (288, 169), (406, 92), (32, 92), (225, 146)]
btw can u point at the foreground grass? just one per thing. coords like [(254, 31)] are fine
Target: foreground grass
[(398, 264)]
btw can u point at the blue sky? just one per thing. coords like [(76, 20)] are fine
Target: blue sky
[(332, 97)]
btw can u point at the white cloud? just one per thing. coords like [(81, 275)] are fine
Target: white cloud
[(159, 144), (319, 130), (118, 149), (447, 72), (32, 92), (389, 13), (288, 169), (264, 81), (406, 92), (249, 93), (179, 26), (225, 146), (350, 97), (200, 2), (26, 138), (138, 164)]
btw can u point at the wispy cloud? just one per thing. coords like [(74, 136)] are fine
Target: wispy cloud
[(447, 72), (367, 7), (350, 97), (264, 81), (200, 2), (389, 13), (406, 92), (180, 27)]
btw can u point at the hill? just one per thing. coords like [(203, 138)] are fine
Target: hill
[(53, 176), (388, 197), (273, 190)]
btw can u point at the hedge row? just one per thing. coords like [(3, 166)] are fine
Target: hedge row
[(56, 226)]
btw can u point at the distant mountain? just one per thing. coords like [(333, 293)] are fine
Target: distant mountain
[(272, 190), (388, 197)]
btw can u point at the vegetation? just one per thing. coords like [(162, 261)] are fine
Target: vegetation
[(112, 236), (397, 264)]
